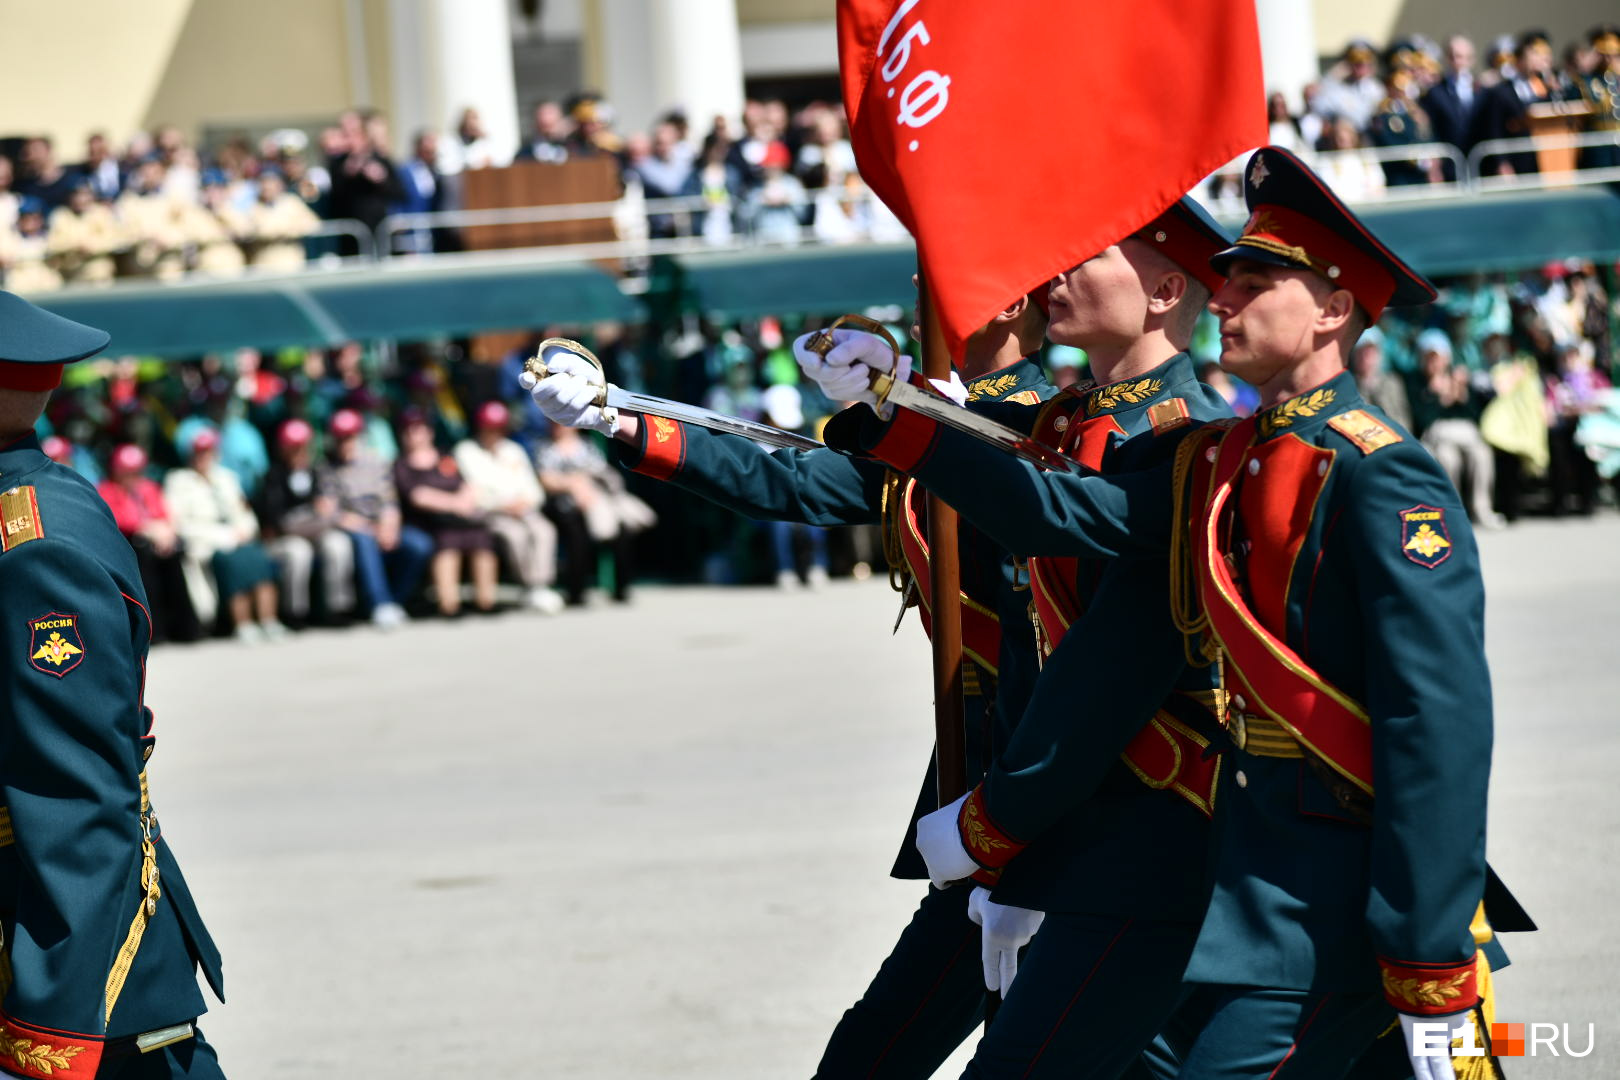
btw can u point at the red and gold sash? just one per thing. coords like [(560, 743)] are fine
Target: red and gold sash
[(981, 627), (1166, 753), (1053, 580), (1263, 674)]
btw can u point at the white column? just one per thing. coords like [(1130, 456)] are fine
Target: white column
[(448, 55), (658, 54), (1288, 47), (700, 52)]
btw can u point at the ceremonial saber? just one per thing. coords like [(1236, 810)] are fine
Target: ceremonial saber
[(611, 397)]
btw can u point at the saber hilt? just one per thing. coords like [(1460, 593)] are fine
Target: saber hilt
[(548, 349), (882, 382)]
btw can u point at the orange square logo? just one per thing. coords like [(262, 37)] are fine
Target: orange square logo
[(1507, 1040)]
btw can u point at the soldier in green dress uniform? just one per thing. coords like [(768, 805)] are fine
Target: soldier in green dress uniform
[(99, 938), (1324, 561), (928, 995), (1097, 811)]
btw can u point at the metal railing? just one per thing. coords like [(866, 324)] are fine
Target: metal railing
[(680, 223)]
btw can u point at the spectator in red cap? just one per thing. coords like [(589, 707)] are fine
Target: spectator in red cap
[(775, 210), (436, 499), (508, 494), (297, 533), (57, 449), (138, 507), (220, 535), (356, 491)]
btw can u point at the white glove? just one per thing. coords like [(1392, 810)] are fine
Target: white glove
[(845, 373), (568, 392), (1006, 930), (1436, 1064), (953, 388), (939, 839)]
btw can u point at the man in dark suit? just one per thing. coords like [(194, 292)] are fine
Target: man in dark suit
[(1453, 103)]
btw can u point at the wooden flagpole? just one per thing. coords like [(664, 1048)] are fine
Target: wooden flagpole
[(945, 575)]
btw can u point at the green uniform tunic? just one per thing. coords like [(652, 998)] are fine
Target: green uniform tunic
[(101, 938)]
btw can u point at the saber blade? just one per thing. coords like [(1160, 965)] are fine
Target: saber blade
[(946, 411), (694, 414), (610, 396)]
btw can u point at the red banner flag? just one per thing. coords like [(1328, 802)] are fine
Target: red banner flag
[(1017, 140)]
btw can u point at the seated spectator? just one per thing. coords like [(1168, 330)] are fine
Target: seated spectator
[(153, 225), (25, 251), (100, 169), (1575, 390), (296, 533), (220, 533), (775, 210), (356, 491), (137, 506), (1445, 413), (278, 221), (214, 227), (587, 501), (82, 237), (1375, 382), (508, 494), (436, 499)]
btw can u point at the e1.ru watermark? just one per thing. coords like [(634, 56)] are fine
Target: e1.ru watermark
[(1507, 1040)]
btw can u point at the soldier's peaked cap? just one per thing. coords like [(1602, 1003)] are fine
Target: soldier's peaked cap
[(34, 344), (1189, 237), (1295, 221)]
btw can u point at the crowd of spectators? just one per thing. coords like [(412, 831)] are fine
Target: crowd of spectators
[(159, 207), (262, 492), (1421, 91)]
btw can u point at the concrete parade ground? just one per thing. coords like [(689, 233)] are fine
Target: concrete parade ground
[(652, 841)]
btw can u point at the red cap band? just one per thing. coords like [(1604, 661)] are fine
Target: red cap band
[(32, 377), (1304, 242)]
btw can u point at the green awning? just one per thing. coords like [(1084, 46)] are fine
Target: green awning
[(810, 281), (410, 303), (1500, 232), (403, 303), (187, 320)]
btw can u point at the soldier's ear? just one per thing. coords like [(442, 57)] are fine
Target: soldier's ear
[(1168, 293), (1336, 312), (1012, 311)]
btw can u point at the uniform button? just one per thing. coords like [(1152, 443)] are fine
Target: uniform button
[(1061, 423), (1321, 468), (1239, 702), (1209, 455), (1254, 466), (1242, 778)]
